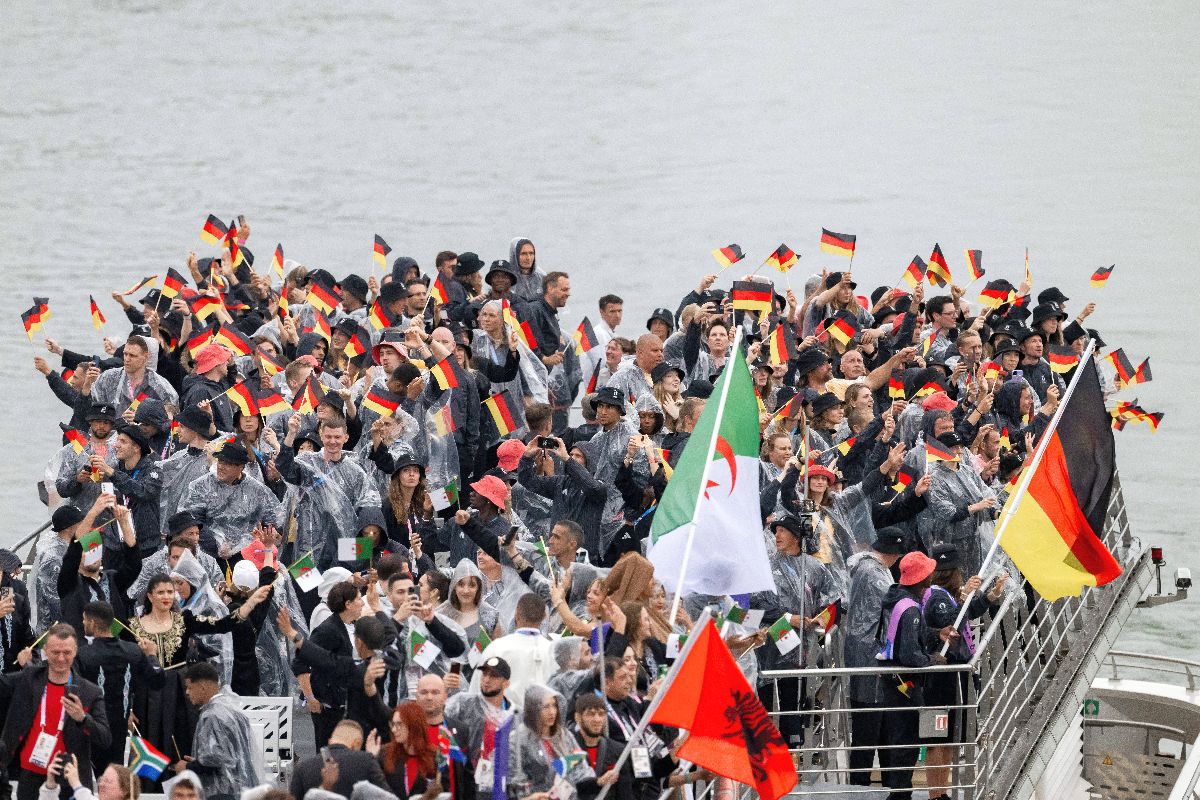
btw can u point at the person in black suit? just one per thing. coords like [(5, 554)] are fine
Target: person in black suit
[(324, 687), (51, 710), (602, 752), (124, 666), (354, 764)]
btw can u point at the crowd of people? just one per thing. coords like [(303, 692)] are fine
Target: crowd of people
[(368, 495)]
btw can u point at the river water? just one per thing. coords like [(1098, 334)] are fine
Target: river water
[(627, 140)]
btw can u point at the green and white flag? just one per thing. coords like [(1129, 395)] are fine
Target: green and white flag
[(783, 635), (423, 651), (306, 574), (475, 654), (357, 549), (710, 506), (92, 543), (444, 497)]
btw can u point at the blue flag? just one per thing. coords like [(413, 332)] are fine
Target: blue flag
[(500, 760), (596, 640)]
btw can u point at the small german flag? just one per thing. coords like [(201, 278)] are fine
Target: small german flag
[(1130, 411), (508, 316), (1062, 359), (76, 439), (438, 292), (915, 272), (1005, 441), (32, 321), (779, 344), (500, 408), (443, 420), (932, 387), (137, 401), (173, 283), (381, 401), (359, 343), (1122, 365), (381, 251), (268, 364), (320, 325), (939, 272), (927, 341), (241, 396), (996, 293), (844, 448), (844, 327), (1142, 375), (895, 388), (936, 451), (271, 403), (201, 339), (1028, 274), (592, 381), (903, 478), (525, 332), (307, 398), (839, 244), (1101, 276), (663, 458), (97, 318), (782, 259), (585, 337), (203, 306), (213, 231), (140, 285), (728, 256), (786, 409), (752, 296), (762, 407), (991, 370), (283, 305), (445, 373), (67, 374), (277, 262), (322, 297), (231, 242), (975, 263), (232, 339), (378, 316)]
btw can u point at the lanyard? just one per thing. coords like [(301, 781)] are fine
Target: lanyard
[(62, 710)]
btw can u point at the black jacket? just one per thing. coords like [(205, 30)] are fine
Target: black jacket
[(23, 691), (139, 489), (76, 591), (543, 320), (115, 657), (606, 754), (329, 676), (353, 766)]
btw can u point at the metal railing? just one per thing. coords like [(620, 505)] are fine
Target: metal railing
[(1033, 662), (1119, 664)]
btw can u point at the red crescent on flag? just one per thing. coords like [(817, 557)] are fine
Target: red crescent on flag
[(726, 451)]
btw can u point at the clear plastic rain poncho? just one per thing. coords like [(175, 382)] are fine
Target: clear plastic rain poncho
[(484, 348), (330, 495), (223, 742), (531, 767), (503, 595), (564, 379), (441, 451), (230, 512), (178, 472), (605, 452), (869, 582), (156, 564), (84, 495), (469, 714), (488, 615), (568, 654), (273, 648), (818, 590), (950, 492), (44, 574), (205, 604)]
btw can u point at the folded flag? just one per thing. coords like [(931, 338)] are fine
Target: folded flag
[(752, 296), (939, 272), (137, 401), (1005, 441), (173, 283), (991, 370), (508, 316), (585, 337), (782, 259), (445, 372), (499, 406), (380, 252), (97, 318), (277, 262), (1101, 276), (146, 281), (915, 273), (146, 761), (663, 458), (305, 573), (728, 256), (422, 651), (927, 341), (214, 231), (360, 548), (839, 244), (936, 451), (241, 396), (975, 264), (783, 635), (1062, 359), (381, 401), (282, 306)]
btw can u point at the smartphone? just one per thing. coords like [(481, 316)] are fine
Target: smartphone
[(241, 221), (107, 488), (6, 593), (414, 590), (325, 756), (455, 668), (1018, 373)]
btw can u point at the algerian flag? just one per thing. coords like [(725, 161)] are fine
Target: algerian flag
[(783, 635), (307, 576), (477, 647), (423, 651), (93, 547), (444, 497), (710, 506), (359, 549)]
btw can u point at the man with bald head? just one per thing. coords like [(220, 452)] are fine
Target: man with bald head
[(632, 378)]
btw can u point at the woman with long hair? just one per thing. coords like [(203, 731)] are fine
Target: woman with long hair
[(540, 742), (648, 649), (407, 509), (408, 760), (667, 390), (261, 445), (466, 605)]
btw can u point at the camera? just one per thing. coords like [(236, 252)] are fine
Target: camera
[(546, 443), (1183, 578)]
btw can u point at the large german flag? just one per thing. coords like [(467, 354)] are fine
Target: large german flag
[(915, 272), (752, 296), (839, 244), (728, 256), (939, 271), (1053, 536)]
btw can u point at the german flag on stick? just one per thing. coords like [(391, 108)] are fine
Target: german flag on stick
[(903, 478), (1142, 375), (779, 344), (201, 339), (359, 343), (321, 326), (1101, 276), (585, 337), (140, 285), (231, 243), (1062, 359), (975, 264), (499, 406), (97, 318), (437, 293), (271, 402), (915, 272), (1052, 523), (241, 396), (895, 388), (752, 296), (728, 256), (173, 283), (443, 420), (233, 340), (381, 401), (76, 439), (322, 297), (268, 364), (1121, 363), (378, 316), (782, 259), (844, 327), (838, 244), (996, 293), (381, 251), (203, 306), (938, 272), (444, 373), (307, 398), (213, 231), (936, 451), (277, 262)]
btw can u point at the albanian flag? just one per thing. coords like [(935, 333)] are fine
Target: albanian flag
[(730, 732)]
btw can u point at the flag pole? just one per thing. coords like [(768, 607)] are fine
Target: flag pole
[(1026, 479), (712, 445), (644, 722)]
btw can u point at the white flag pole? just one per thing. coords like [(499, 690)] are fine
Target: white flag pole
[(1026, 478), (712, 445)]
